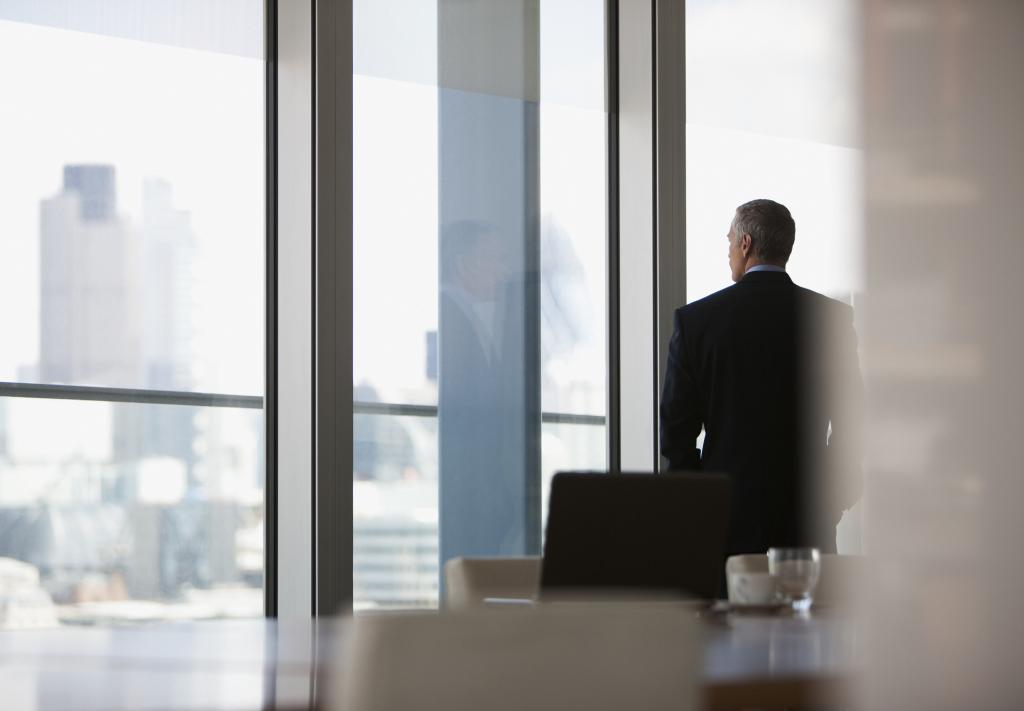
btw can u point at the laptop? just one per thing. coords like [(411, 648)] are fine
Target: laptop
[(636, 534)]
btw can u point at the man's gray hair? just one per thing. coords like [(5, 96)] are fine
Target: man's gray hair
[(770, 226)]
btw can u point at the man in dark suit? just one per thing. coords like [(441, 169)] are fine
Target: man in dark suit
[(769, 370)]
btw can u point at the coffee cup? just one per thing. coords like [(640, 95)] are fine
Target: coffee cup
[(751, 588)]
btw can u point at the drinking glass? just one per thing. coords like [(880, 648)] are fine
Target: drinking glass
[(796, 571)]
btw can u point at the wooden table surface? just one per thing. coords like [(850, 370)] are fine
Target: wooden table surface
[(767, 662)]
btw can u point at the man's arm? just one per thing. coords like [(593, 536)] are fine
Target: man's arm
[(681, 411)]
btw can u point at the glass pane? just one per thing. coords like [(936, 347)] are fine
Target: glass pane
[(479, 190), (569, 446), (573, 208), (133, 183), (772, 112), (394, 553), (132, 257), (116, 513)]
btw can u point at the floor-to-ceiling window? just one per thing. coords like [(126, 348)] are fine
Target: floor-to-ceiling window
[(132, 303), (773, 111), (479, 278)]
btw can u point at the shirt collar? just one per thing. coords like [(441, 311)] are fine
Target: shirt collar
[(765, 268)]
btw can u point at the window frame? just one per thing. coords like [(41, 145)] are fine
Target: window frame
[(645, 168)]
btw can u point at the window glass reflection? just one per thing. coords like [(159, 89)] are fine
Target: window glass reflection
[(479, 187)]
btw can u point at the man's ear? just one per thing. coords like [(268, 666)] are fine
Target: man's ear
[(745, 244)]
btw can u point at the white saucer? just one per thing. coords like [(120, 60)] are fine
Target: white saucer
[(751, 608)]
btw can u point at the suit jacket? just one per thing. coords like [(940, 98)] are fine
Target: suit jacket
[(766, 367)]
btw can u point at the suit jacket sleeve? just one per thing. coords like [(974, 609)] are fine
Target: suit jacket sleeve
[(682, 414)]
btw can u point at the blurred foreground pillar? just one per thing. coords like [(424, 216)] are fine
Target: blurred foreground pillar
[(944, 348)]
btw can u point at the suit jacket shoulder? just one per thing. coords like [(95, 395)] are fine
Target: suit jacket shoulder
[(700, 312), (825, 308), (709, 303)]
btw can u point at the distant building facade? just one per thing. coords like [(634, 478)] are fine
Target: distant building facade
[(90, 313)]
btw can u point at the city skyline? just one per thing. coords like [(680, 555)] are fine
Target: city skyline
[(145, 515)]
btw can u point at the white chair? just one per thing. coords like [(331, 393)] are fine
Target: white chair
[(553, 657), (470, 581)]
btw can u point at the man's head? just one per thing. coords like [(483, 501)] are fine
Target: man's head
[(762, 232)]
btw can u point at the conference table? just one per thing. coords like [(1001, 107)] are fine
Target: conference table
[(763, 661)]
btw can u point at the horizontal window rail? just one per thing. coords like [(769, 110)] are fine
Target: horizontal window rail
[(402, 410), (143, 396), (132, 395)]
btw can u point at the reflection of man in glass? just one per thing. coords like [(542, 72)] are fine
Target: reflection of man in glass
[(472, 278), (476, 406), (769, 370)]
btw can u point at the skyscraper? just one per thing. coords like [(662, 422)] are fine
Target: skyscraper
[(115, 298), (95, 185), (90, 311), (168, 261)]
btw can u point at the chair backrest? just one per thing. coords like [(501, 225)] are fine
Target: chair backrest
[(470, 581), (592, 657), (841, 575)]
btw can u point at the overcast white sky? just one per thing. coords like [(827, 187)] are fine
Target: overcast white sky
[(192, 117)]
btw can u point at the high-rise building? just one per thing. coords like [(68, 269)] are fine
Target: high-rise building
[(115, 298), (95, 185), (90, 312), (168, 261)]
